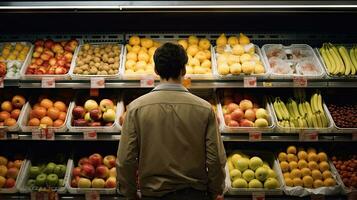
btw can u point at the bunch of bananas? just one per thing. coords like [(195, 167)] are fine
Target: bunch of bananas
[(338, 60), (301, 115)]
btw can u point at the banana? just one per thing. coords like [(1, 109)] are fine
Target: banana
[(309, 121), (286, 115), (319, 120), (295, 108), (334, 67), (308, 108), (277, 110), (290, 110), (304, 121), (300, 122), (343, 67), (319, 103), (326, 59), (302, 110), (354, 61), (346, 59), (336, 56), (324, 119), (314, 121), (292, 125), (313, 103)]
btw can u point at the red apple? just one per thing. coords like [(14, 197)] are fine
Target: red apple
[(233, 123), (45, 56), (39, 43), (52, 61), (246, 123), (68, 56), (102, 171), (10, 164), (35, 55), (10, 183), (60, 70), (49, 43), (74, 182), (84, 161), (109, 161), (61, 62), (39, 62), (249, 114), (80, 122), (76, 171), (111, 182), (95, 114), (12, 172), (88, 171), (39, 49), (78, 112), (227, 118), (231, 107), (237, 114), (96, 159)]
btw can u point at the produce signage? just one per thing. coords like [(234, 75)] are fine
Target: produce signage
[(50, 195), (258, 196), (97, 82), (308, 136), (48, 82), (92, 195), (147, 81), (250, 81), (255, 136), (299, 81)]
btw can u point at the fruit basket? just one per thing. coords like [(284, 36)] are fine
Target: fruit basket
[(107, 71), (296, 60), (157, 40), (12, 111), (14, 55), (50, 59), (86, 119), (14, 171), (275, 187), (244, 113), (313, 183), (233, 60)]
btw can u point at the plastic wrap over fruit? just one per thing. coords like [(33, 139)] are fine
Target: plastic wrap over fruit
[(279, 66)]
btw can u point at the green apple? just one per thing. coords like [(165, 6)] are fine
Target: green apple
[(248, 175), (255, 162), (261, 113), (109, 115), (34, 171), (60, 170), (41, 180), (261, 173), (271, 173), (87, 117), (49, 168), (52, 180), (255, 184), (235, 173), (239, 183), (271, 183), (30, 183), (242, 164), (60, 182)]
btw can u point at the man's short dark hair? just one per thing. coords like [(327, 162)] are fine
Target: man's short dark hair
[(170, 60)]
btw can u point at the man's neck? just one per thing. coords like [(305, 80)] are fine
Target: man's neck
[(171, 81)]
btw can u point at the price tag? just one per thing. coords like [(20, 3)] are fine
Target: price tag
[(37, 134), (49, 133), (267, 84), (186, 82), (258, 196), (354, 136), (50, 195), (310, 136), (255, 136), (299, 81), (147, 81), (48, 82), (3, 135), (90, 135), (250, 81), (92, 195), (317, 197), (97, 82), (1, 82)]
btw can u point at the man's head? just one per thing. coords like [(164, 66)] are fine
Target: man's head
[(170, 61)]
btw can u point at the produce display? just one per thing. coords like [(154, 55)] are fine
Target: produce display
[(51, 113), (98, 59), (236, 55), (46, 175), (347, 168), (14, 51), (292, 60), (343, 114), (52, 58), (251, 172), (338, 60), (308, 169), (299, 113), (242, 111), (94, 114), (9, 170), (10, 110), (95, 172)]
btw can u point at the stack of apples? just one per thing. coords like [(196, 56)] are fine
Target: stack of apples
[(46, 175), (10, 110), (9, 170), (307, 169), (51, 57), (347, 168), (93, 114), (239, 112), (95, 172), (251, 172), (14, 51), (48, 113)]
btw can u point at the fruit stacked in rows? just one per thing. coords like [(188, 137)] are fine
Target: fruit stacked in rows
[(93, 114), (243, 112), (100, 59), (139, 57), (46, 175), (9, 170), (307, 169), (246, 172), (48, 113), (95, 172), (301, 113), (338, 60), (236, 55), (16, 51), (344, 115), (347, 168), (199, 55), (10, 110), (51, 57)]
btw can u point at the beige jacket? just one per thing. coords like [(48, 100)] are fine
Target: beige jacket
[(172, 138)]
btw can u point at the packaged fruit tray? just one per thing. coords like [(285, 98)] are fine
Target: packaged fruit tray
[(249, 126), (267, 158), (81, 106), (20, 102), (14, 55), (20, 173), (50, 59), (108, 57), (26, 187), (296, 60), (159, 39)]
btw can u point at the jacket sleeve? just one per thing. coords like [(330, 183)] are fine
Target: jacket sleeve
[(215, 157), (127, 163)]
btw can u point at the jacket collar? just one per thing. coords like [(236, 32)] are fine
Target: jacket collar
[(170, 87)]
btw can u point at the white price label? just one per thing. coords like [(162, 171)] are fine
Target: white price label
[(250, 81), (48, 82), (317, 197), (255, 136), (49, 133), (90, 135), (147, 81), (92, 195), (308, 136), (1, 82), (97, 82), (258, 196), (3, 135), (50, 195), (299, 81), (37, 134)]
